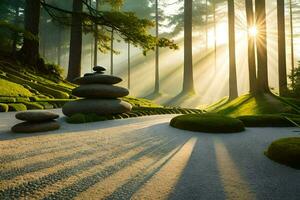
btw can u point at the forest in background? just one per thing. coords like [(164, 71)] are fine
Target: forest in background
[(158, 71)]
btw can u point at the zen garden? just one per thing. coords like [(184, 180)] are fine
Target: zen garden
[(150, 99)]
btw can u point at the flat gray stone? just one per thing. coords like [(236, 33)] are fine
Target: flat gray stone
[(96, 91), (96, 106), (36, 116), (29, 127), (98, 78)]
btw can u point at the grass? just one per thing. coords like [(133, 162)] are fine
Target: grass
[(210, 123), (265, 121), (253, 105), (285, 151)]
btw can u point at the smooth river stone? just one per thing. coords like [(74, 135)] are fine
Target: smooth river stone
[(38, 116), (29, 127), (98, 78), (96, 106), (95, 91), (99, 69)]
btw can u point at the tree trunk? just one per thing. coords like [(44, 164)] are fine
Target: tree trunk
[(233, 91), (251, 47), (292, 44), (59, 45), (206, 24), (188, 79), (129, 66), (15, 35), (261, 45), (30, 49), (112, 52), (281, 48), (156, 87), (74, 70), (215, 35), (96, 39)]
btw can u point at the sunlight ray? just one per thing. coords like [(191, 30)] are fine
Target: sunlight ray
[(168, 176)]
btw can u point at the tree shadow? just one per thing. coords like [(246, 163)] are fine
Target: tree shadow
[(67, 128), (153, 144), (200, 180)]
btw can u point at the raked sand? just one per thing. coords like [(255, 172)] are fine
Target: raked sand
[(142, 158)]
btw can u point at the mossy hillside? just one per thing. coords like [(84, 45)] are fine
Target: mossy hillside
[(253, 105), (12, 70), (292, 101), (266, 121), (11, 89), (210, 123), (285, 151), (46, 90), (141, 102), (33, 90)]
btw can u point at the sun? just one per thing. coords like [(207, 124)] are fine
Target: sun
[(253, 31)]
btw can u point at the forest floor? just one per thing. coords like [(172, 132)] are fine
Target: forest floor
[(142, 158)]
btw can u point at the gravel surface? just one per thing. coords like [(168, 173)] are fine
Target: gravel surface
[(141, 158)]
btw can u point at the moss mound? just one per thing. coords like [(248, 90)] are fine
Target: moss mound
[(210, 123), (265, 121), (85, 118), (285, 151)]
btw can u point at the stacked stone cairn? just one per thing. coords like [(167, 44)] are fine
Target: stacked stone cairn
[(36, 121), (99, 95)]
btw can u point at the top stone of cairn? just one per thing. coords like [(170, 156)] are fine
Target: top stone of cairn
[(99, 69)]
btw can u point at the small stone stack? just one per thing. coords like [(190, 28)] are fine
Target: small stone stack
[(40, 121), (100, 95)]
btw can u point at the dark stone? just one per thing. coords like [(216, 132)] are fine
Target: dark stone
[(99, 69), (98, 78), (96, 106), (29, 127), (89, 74), (40, 116), (100, 91)]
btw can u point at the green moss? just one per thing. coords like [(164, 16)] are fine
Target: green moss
[(17, 107), (140, 102), (254, 105), (294, 101), (21, 99), (85, 118), (265, 121), (285, 151), (33, 106), (41, 88), (10, 89), (3, 107), (7, 99), (210, 123), (46, 105)]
